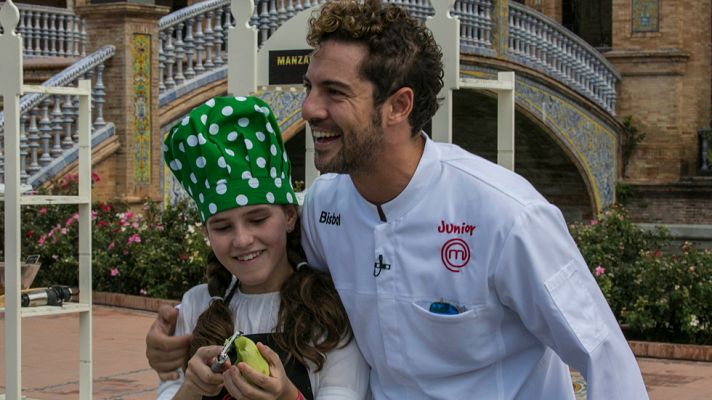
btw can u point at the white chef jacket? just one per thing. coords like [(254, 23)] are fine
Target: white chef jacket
[(470, 233), (344, 375)]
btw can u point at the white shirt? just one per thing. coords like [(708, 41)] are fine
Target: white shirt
[(467, 232), (344, 375)]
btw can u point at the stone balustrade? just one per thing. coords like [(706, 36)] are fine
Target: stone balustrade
[(50, 31), (193, 41), (543, 44), (48, 123)]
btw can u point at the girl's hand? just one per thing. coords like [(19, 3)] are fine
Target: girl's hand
[(199, 378), (244, 382)]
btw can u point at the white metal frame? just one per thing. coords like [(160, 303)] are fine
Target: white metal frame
[(11, 88), (446, 30), (504, 86)]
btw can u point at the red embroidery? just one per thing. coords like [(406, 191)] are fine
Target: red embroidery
[(455, 254), (461, 229)]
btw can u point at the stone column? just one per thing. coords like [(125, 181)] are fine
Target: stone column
[(500, 28), (131, 81)]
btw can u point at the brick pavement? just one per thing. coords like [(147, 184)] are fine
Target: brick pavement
[(51, 348)]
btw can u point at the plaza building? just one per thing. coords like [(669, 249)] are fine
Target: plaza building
[(613, 97)]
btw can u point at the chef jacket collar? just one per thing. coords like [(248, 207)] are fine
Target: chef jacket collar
[(425, 174)]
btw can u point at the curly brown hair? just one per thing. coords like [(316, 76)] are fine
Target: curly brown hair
[(311, 320), (402, 51)]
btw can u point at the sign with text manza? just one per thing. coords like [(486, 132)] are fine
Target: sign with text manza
[(287, 67)]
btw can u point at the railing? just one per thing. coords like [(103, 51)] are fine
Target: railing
[(193, 41), (48, 123), (475, 26), (50, 31), (539, 42)]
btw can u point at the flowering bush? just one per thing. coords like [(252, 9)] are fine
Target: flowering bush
[(655, 296), (157, 253), (161, 253)]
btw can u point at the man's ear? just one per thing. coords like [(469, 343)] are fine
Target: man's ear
[(399, 106)]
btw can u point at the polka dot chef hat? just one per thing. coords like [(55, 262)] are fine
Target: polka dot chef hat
[(227, 153)]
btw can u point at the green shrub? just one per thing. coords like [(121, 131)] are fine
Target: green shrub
[(156, 253), (161, 253), (672, 298), (655, 296)]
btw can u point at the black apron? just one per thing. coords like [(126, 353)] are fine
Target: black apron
[(296, 371)]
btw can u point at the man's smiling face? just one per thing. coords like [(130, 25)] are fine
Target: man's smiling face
[(339, 107)]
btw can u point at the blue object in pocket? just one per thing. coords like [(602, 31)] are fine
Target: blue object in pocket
[(440, 307)]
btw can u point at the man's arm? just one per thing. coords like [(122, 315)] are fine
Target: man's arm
[(544, 279), (165, 352)]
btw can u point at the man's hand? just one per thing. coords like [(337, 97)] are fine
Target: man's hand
[(164, 351), (199, 378)]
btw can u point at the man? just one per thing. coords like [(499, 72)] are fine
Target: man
[(460, 280)]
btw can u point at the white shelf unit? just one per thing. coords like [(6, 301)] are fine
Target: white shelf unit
[(11, 88)]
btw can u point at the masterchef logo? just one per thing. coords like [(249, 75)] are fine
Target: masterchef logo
[(455, 254)]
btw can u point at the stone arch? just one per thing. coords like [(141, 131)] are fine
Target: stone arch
[(538, 156), (588, 135)]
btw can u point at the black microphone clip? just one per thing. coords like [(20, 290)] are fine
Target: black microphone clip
[(379, 266)]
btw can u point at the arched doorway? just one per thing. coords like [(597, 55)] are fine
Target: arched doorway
[(538, 157)]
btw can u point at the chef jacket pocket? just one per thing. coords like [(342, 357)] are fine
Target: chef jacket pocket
[(465, 312), (569, 289), (448, 343)]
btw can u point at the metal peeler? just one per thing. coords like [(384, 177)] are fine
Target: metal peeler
[(219, 363)]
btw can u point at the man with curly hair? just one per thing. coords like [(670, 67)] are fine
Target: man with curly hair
[(460, 280)]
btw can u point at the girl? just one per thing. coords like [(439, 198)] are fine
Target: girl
[(229, 156)]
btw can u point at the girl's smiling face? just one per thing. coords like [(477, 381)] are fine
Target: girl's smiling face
[(251, 242)]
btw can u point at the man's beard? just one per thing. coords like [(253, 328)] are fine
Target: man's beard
[(358, 152)]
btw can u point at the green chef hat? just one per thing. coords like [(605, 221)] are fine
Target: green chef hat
[(229, 153)]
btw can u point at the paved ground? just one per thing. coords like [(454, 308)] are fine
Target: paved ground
[(50, 351)]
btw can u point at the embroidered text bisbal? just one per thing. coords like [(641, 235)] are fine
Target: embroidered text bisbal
[(330, 218)]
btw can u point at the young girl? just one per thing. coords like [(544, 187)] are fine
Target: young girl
[(229, 156)]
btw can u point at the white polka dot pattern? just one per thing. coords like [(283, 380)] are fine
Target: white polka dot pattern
[(230, 148)]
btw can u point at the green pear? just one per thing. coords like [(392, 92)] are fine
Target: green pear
[(248, 352)]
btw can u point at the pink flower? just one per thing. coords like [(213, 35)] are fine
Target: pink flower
[(114, 271), (594, 222), (43, 210), (71, 219), (95, 177), (135, 238), (110, 246), (41, 240), (63, 231), (658, 253), (143, 292), (135, 225), (599, 271)]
